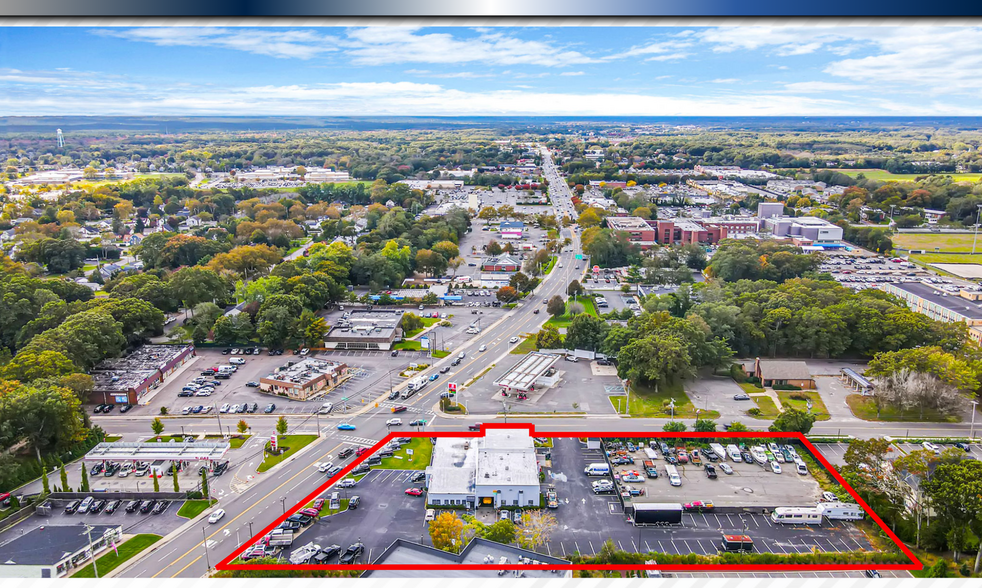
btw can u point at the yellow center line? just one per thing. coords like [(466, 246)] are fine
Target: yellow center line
[(219, 529)]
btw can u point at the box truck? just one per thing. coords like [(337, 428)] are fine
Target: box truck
[(657, 513)]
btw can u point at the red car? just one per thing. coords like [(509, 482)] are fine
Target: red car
[(318, 504), (310, 512), (400, 408), (414, 492), (683, 456), (699, 506), (361, 451)]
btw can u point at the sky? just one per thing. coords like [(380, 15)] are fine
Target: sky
[(487, 71)]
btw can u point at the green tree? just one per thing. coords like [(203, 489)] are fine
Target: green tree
[(575, 288), (313, 329), (548, 337), (64, 478), (500, 532), (705, 426), (955, 490), (411, 322), (278, 327), (939, 569), (242, 427), (177, 486), (586, 332), (493, 248), (281, 425), (737, 427), (556, 306), (660, 361), (793, 420), (85, 479), (674, 427), (204, 485), (45, 488), (157, 426), (230, 330), (156, 482)]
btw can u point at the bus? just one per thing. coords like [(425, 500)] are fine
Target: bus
[(797, 515), (673, 475)]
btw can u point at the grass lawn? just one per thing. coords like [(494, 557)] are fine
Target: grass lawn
[(439, 353), (192, 508), (645, 402), (113, 438), (165, 439), (550, 265), (526, 345), (818, 407), (421, 447), (294, 442), (885, 176), (478, 376), (948, 243), (110, 561), (427, 322), (407, 345), (768, 410), (749, 388), (235, 442), (589, 307), (929, 258), (863, 407)]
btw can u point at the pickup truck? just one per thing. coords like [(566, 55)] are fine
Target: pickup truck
[(695, 457), (650, 469), (552, 499)]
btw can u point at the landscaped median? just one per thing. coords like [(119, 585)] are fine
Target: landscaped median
[(564, 320), (290, 444), (235, 441), (110, 561), (192, 508), (421, 448), (864, 407)]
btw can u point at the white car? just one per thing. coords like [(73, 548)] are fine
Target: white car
[(304, 351), (482, 348), (234, 409), (931, 447), (513, 340), (726, 469), (326, 408), (829, 497), (323, 467), (203, 393), (775, 467), (224, 408), (216, 516), (393, 422), (430, 514), (186, 410)]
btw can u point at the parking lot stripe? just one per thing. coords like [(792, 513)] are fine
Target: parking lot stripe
[(647, 547), (592, 548)]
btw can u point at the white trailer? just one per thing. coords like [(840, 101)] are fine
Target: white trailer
[(797, 515), (651, 453), (841, 511)]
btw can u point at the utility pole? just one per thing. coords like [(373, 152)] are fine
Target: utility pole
[(88, 533), (218, 414), (204, 542), (971, 433)]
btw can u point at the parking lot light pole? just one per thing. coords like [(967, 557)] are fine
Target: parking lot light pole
[(218, 414), (88, 533)]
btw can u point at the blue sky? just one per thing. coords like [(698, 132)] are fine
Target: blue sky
[(464, 71)]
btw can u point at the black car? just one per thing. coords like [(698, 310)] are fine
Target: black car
[(125, 408), (361, 468), (872, 574), (97, 506), (304, 520), (96, 469), (418, 477), (417, 423), (132, 506), (269, 408), (72, 506), (352, 553), (710, 471), (395, 352), (98, 409), (375, 460), (963, 446), (247, 352), (147, 505), (354, 502), (160, 507), (113, 506), (345, 453), (455, 362), (220, 468), (111, 470), (747, 457), (291, 525), (109, 408), (226, 351), (326, 553), (393, 395)]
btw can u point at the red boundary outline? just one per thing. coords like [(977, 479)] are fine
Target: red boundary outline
[(914, 564)]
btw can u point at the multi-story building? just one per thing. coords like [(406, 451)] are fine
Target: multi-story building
[(963, 306), (304, 379), (640, 232)]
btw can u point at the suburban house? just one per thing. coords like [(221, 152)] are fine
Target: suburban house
[(783, 373)]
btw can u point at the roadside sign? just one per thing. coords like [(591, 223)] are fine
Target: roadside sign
[(409, 452), (424, 342), (579, 256), (272, 442), (452, 387), (596, 269)]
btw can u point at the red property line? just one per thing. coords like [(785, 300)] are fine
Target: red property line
[(914, 564)]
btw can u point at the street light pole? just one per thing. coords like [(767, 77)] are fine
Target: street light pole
[(977, 218), (971, 433)]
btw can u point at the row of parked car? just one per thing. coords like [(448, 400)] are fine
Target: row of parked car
[(108, 408), (93, 505)]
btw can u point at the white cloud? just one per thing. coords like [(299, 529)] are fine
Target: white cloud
[(725, 81), (669, 57), (818, 87), (281, 43), (572, 73), (660, 48), (798, 49)]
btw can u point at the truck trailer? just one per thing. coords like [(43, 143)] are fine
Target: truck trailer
[(657, 513)]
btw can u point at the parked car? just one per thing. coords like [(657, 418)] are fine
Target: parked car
[(132, 506), (352, 553), (112, 506), (741, 396), (252, 384), (414, 492), (354, 502), (72, 506), (269, 408)]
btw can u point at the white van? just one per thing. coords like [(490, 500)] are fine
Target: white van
[(237, 361), (597, 469), (673, 475), (800, 466), (227, 369), (734, 453)]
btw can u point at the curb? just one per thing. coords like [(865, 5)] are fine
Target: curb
[(162, 543), (292, 457)]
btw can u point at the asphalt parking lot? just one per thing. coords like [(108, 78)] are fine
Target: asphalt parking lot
[(134, 523), (587, 520), (386, 513)]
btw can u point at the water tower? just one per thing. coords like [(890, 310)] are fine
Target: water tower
[(61, 139)]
